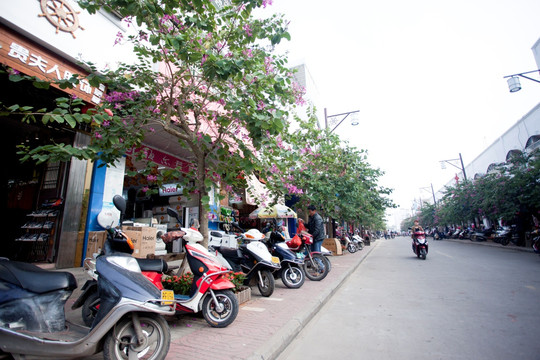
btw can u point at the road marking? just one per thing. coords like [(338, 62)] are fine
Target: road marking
[(530, 287), (272, 299), (443, 254), (256, 309)]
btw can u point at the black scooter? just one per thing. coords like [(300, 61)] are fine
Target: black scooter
[(291, 272), (253, 258), (129, 322)]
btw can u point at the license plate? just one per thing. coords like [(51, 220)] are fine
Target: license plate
[(167, 296), (275, 259)]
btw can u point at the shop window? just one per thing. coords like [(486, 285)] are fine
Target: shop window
[(50, 180)]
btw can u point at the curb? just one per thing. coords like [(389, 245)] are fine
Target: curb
[(282, 338)]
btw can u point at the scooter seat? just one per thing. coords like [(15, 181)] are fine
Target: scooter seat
[(230, 253), (35, 279), (154, 265)]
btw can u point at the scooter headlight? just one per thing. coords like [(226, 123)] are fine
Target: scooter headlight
[(126, 262)]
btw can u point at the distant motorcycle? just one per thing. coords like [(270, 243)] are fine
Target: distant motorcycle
[(420, 244), (482, 235), (535, 235), (506, 234)]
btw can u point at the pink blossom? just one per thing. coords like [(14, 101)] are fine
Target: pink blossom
[(266, 2), (248, 30), (97, 135), (268, 65), (260, 105), (145, 189), (119, 38), (151, 178)]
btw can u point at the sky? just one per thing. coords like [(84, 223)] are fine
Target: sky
[(426, 75)]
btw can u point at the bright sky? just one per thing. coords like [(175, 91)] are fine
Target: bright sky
[(426, 75)]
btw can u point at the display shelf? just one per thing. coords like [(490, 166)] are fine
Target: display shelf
[(38, 233)]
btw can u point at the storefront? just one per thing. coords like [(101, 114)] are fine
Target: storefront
[(44, 205)]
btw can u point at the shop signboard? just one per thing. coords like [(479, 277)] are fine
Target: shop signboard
[(31, 59), (170, 190)]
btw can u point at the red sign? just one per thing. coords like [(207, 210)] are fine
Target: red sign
[(162, 158), (31, 59)]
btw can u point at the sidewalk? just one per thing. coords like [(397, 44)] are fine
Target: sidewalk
[(264, 326)]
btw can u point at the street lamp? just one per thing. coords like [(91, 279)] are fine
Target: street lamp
[(354, 118), (462, 167), (513, 80), (432, 192)]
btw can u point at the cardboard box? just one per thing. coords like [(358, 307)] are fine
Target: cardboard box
[(96, 239), (333, 245), (143, 238)]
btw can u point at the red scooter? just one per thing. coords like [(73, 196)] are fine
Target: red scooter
[(316, 265), (420, 244), (211, 290)]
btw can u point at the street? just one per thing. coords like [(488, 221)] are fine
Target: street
[(466, 301)]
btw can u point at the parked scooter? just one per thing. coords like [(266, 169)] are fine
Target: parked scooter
[(253, 258), (535, 236), (292, 268), (316, 265), (211, 290), (506, 234), (129, 323), (357, 241), (438, 235), (420, 244), (348, 244), (89, 301), (482, 235)]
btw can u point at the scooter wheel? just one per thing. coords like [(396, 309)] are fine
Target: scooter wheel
[(90, 308), (351, 248), (316, 267), (222, 314), (120, 342), (293, 276), (268, 282)]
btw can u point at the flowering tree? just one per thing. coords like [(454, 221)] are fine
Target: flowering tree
[(318, 168), (509, 193), (220, 91)]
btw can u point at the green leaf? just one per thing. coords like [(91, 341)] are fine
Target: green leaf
[(41, 84)]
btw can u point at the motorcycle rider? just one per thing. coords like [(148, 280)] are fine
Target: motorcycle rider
[(416, 227), (315, 228)]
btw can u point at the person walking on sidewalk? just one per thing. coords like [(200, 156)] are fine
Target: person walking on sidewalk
[(315, 228)]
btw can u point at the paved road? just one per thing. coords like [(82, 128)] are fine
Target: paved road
[(464, 302)]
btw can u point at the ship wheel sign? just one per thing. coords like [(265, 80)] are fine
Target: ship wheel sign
[(61, 15)]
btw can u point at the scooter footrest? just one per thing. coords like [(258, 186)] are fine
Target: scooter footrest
[(181, 297)]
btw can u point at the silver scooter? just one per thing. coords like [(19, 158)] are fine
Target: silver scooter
[(128, 325)]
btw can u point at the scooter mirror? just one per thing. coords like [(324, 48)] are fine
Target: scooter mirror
[(173, 213), (120, 203)]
